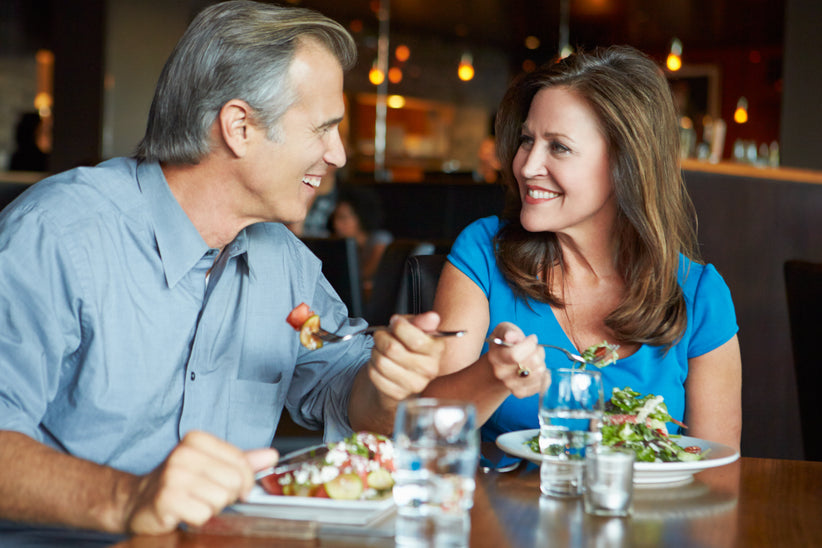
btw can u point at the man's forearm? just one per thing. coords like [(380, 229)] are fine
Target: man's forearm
[(368, 409), (41, 485)]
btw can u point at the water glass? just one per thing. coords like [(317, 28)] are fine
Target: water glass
[(609, 481), (570, 416), (436, 447)]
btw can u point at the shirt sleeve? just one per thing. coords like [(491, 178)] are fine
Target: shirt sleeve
[(473, 252), (714, 316), (39, 319), (321, 386)]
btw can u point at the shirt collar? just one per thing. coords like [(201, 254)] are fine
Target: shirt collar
[(178, 241)]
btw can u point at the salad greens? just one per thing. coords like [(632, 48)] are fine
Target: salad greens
[(634, 422), (601, 354), (638, 423)]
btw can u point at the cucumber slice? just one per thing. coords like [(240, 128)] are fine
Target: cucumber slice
[(307, 338), (345, 487), (380, 480)]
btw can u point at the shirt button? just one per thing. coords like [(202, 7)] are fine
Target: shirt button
[(193, 375)]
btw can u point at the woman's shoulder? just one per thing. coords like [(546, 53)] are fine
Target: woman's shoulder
[(702, 278), (485, 228)]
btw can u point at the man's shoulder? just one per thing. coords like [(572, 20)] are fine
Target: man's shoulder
[(73, 194)]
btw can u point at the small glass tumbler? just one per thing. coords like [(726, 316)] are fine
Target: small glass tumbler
[(436, 451), (609, 481)]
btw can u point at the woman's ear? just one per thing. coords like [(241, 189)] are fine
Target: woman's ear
[(235, 126)]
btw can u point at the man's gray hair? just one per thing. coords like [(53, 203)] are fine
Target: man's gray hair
[(232, 50)]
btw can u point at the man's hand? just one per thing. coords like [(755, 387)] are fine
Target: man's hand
[(404, 360), (200, 477)]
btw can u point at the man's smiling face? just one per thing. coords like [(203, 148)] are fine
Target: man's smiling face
[(282, 175)]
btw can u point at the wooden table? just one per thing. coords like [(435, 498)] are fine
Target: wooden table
[(750, 503)]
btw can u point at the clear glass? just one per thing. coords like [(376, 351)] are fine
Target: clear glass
[(436, 446), (609, 481), (570, 417)]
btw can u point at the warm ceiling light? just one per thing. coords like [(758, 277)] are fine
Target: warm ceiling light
[(531, 42), (402, 53), (529, 65), (465, 71), (43, 102), (741, 112), (395, 101), (674, 61), (355, 25), (375, 75), (395, 75)]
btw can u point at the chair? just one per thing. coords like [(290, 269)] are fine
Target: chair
[(10, 191), (386, 293), (803, 284), (341, 267), (419, 285)]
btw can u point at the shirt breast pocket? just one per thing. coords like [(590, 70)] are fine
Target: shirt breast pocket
[(254, 411)]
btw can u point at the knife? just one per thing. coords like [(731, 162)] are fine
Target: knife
[(294, 460)]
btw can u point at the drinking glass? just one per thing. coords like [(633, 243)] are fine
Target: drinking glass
[(609, 481), (570, 416), (436, 447)]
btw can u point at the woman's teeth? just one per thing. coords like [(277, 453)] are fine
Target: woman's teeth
[(542, 194), (312, 180)]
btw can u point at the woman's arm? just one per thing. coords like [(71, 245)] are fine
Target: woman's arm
[(461, 304), (713, 392), (488, 379)]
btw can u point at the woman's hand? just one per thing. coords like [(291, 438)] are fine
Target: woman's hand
[(521, 367)]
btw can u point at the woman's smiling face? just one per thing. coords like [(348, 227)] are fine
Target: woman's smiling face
[(562, 166)]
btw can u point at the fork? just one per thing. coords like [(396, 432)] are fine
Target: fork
[(571, 356), (329, 337)]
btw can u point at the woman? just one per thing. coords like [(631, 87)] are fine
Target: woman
[(596, 243)]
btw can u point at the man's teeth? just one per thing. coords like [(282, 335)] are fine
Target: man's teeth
[(313, 181), (542, 194)]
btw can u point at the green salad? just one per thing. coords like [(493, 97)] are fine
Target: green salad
[(638, 423), (634, 422)]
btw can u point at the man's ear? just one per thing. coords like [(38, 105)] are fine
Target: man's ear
[(235, 126)]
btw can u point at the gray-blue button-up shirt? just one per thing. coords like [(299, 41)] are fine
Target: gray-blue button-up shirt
[(114, 341)]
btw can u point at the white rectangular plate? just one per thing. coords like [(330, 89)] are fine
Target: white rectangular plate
[(321, 510)]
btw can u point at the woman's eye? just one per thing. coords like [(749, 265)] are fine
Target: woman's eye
[(558, 147), (525, 141)]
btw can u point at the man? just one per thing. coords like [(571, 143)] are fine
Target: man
[(144, 352)]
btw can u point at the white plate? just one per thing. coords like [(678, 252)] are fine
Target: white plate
[(645, 473), (321, 510)]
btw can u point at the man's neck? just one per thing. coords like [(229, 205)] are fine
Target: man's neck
[(205, 194)]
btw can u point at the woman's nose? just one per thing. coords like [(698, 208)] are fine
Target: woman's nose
[(534, 164)]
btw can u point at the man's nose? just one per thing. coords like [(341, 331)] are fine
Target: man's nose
[(335, 155)]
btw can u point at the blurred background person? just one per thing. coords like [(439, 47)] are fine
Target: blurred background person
[(358, 214), (32, 144)]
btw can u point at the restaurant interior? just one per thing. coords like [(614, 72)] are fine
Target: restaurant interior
[(420, 104), (76, 82)]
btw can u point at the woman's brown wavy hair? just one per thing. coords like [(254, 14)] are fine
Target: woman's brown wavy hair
[(656, 220)]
